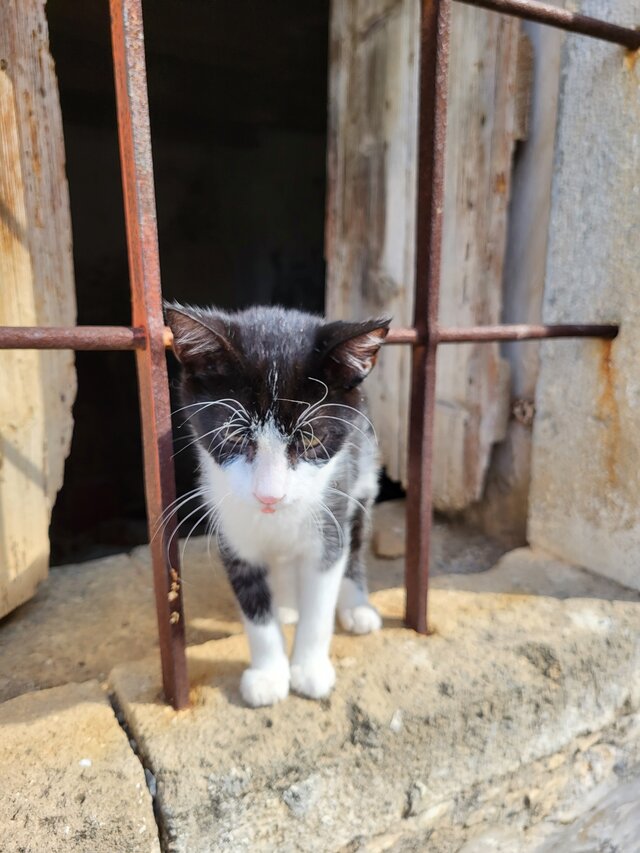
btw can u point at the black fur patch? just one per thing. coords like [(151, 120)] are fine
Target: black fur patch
[(250, 586)]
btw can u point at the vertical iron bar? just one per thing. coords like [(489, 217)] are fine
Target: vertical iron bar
[(432, 119), (144, 268)]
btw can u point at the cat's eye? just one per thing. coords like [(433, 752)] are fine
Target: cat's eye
[(310, 441)]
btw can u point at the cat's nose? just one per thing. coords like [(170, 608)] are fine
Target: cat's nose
[(268, 500)]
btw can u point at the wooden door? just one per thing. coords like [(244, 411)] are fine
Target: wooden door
[(37, 389), (370, 232)]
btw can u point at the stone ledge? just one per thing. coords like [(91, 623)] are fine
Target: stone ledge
[(414, 722), (52, 639), (69, 779)]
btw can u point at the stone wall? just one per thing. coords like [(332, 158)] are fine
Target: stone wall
[(585, 495)]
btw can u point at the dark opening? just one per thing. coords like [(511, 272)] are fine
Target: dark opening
[(238, 102)]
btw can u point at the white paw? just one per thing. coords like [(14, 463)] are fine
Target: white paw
[(265, 686), (314, 679), (287, 615), (362, 619)]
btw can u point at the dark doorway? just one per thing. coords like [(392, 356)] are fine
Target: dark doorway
[(238, 102)]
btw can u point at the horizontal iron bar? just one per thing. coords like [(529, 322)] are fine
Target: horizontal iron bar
[(523, 332), (543, 13), (402, 336), (74, 337), (126, 338)]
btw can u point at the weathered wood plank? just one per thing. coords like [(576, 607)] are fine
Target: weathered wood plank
[(36, 288), (371, 189), (503, 510), (371, 218)]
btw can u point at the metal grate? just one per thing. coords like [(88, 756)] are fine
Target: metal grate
[(148, 336)]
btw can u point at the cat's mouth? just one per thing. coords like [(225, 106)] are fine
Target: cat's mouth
[(267, 510)]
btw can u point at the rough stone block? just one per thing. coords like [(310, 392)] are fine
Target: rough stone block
[(69, 779), (413, 722)]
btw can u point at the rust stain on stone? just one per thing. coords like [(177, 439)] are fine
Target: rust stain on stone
[(607, 410), (630, 59)]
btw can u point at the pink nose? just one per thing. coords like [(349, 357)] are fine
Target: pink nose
[(268, 500)]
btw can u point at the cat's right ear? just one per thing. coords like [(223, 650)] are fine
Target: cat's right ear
[(201, 339)]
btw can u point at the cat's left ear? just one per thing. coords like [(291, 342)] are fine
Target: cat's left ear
[(350, 350), (201, 339)]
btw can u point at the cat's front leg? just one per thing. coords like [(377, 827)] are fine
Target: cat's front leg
[(354, 611), (267, 679), (312, 673)]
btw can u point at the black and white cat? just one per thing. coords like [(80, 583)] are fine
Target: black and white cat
[(289, 472)]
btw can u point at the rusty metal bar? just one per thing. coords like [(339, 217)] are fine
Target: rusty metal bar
[(402, 336), (434, 56), (144, 269), (563, 19), (76, 337), (515, 332), (131, 338), (523, 332)]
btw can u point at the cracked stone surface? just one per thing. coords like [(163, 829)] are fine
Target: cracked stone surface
[(388, 764), (51, 640), (578, 800), (423, 738), (69, 779)]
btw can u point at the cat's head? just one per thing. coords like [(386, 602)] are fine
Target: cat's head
[(272, 396)]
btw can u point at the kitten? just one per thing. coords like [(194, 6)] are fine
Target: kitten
[(289, 472)]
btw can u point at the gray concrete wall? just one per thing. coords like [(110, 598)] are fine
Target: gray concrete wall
[(585, 495)]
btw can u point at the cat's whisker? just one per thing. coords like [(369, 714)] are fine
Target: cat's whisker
[(224, 440), (174, 507), (203, 405), (336, 523), (320, 442), (324, 385), (178, 526), (226, 402), (211, 512), (349, 497), (210, 509), (289, 400), (316, 521), (184, 544), (179, 498), (191, 443), (351, 409), (233, 420), (237, 405), (215, 431), (312, 408), (343, 421), (236, 417), (312, 435)]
